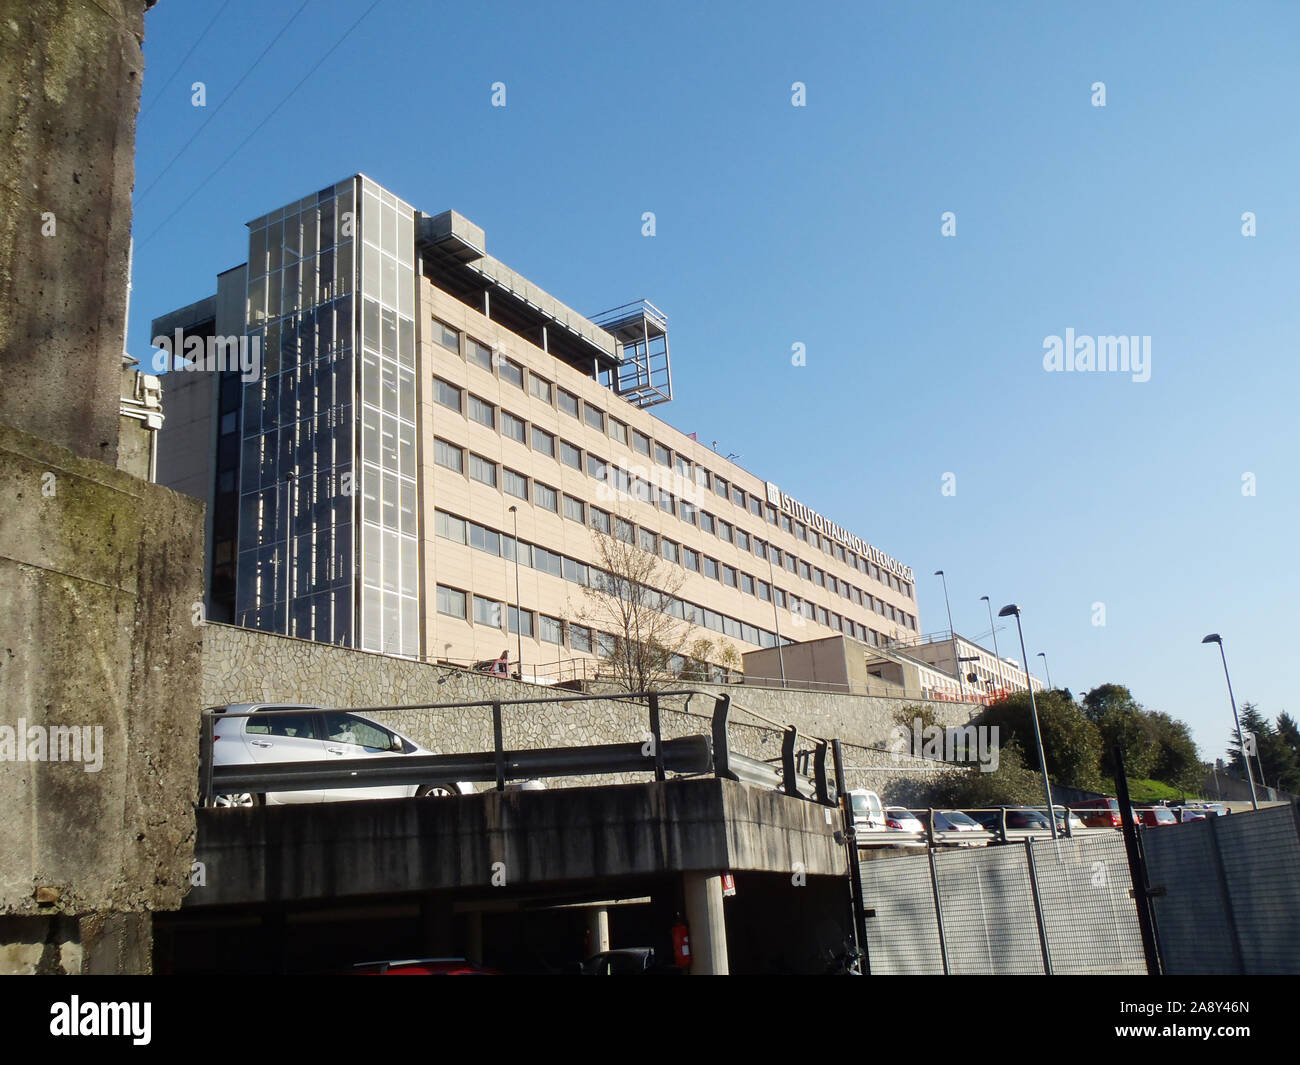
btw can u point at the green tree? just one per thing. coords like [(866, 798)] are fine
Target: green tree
[(1177, 762), (1011, 784), (1121, 721), (1071, 742)]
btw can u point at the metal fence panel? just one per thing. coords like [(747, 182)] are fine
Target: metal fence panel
[(1232, 893), (1090, 917), (989, 921), (903, 936)]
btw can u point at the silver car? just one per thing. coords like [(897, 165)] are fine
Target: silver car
[(311, 736)]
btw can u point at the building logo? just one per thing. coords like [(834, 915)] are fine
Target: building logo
[(813, 520)]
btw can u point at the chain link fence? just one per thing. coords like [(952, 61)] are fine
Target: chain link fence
[(1060, 906), (1227, 893)]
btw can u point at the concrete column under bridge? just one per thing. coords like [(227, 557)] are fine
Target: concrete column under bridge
[(707, 923)]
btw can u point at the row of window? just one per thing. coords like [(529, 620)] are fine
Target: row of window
[(566, 402), (462, 531), (485, 470)]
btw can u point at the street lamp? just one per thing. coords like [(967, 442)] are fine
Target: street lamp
[(1006, 612), (1045, 669), (956, 663), (519, 607), (776, 614), (993, 626), (1214, 637)]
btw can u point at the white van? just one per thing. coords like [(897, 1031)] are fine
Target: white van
[(868, 811)]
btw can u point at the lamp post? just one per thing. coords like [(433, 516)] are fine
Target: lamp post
[(519, 607), (1008, 611), (1045, 669), (993, 626), (1214, 637), (776, 614), (961, 686)]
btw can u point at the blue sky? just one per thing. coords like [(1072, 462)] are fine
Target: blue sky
[(820, 225)]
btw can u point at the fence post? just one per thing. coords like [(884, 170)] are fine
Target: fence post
[(1038, 905), (721, 750), (1136, 866), (788, 740), (938, 911), (857, 908), (656, 736), (205, 758)]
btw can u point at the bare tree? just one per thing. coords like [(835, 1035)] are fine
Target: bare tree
[(632, 595)]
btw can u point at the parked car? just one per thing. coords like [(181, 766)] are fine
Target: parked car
[(421, 967), (956, 821), (1063, 815), (868, 811), (312, 736), (902, 820), (1154, 816), (627, 961), (1017, 818), (1098, 813), (1189, 812)]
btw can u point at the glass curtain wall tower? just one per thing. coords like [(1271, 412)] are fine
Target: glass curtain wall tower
[(329, 521)]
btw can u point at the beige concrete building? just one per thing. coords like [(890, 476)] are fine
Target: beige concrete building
[(417, 399)]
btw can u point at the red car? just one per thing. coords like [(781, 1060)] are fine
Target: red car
[(1098, 813), (421, 967), (1155, 816)]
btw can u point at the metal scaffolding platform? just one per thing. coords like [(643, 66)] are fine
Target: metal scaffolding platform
[(644, 373)]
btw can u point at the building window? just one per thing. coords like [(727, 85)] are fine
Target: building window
[(618, 431), (539, 387), (512, 427), (684, 466), (446, 336), (478, 354), (527, 621), (552, 631), (448, 527), (580, 638), (711, 567), (512, 372), (641, 443), (729, 576), (600, 519), (570, 455), (574, 509), (545, 496), (742, 539), (447, 395), (448, 455), (596, 467), (451, 602), (482, 412), (647, 541), (595, 417), (764, 591), (720, 487), (515, 484), (481, 469), (666, 502), (624, 530), (801, 531), (747, 584), (779, 597), (487, 612), (707, 523), (567, 402), (725, 531), (668, 549), (688, 512), (543, 441), (484, 539), (663, 456), (690, 559)]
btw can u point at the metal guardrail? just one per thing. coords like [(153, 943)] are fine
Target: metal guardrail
[(692, 755)]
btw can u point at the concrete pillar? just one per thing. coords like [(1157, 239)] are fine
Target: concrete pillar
[(597, 930), (474, 948), (707, 923)]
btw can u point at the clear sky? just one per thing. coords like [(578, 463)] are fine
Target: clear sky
[(821, 225)]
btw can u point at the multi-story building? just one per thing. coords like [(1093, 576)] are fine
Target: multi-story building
[(420, 408)]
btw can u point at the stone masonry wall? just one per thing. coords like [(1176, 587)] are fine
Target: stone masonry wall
[(241, 665)]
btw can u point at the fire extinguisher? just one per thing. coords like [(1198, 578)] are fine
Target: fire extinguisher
[(681, 943)]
